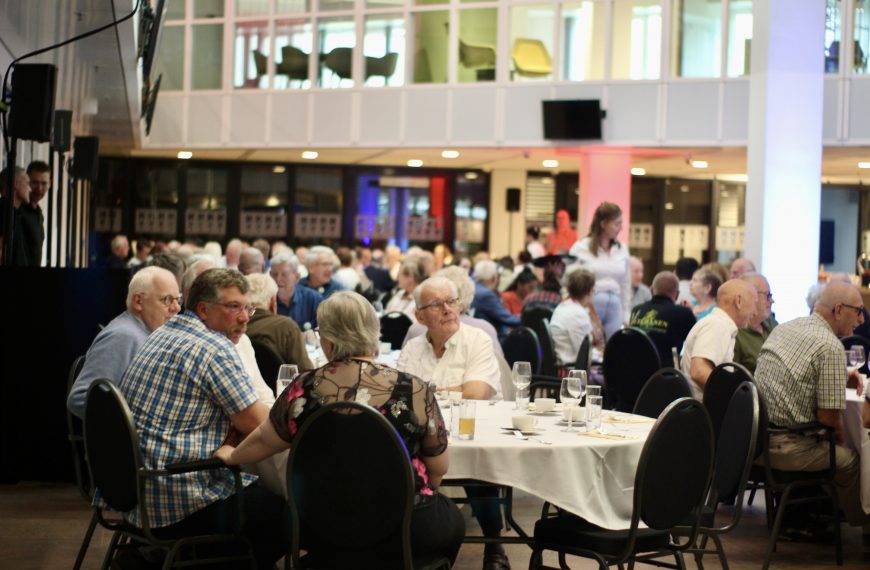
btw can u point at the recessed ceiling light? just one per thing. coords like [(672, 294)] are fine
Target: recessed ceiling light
[(864, 165), (551, 163), (471, 175), (415, 163), (279, 169), (700, 164), (449, 154), (310, 154), (184, 155), (669, 205), (638, 171), (272, 201)]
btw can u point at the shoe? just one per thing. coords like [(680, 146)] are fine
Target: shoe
[(496, 562), (813, 535)]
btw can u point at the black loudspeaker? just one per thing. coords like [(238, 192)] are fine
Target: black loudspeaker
[(61, 138), (513, 200), (32, 110), (85, 164)]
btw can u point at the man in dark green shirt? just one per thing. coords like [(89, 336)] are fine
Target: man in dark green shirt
[(749, 339)]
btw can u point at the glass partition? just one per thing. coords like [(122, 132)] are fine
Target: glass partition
[(430, 46), (293, 43), (207, 51), (697, 38), (739, 37), (478, 33), (531, 42), (384, 50), (251, 7), (207, 8), (251, 54), (337, 40), (832, 36), (636, 39), (861, 43), (170, 59), (583, 31)]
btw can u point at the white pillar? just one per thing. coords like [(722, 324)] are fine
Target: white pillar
[(785, 148)]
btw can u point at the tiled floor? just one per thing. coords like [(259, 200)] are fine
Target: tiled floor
[(42, 524)]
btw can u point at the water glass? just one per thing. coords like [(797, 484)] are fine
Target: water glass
[(593, 413), (569, 394), (592, 390), (386, 349), (522, 379), (467, 417), (286, 374), (581, 377)]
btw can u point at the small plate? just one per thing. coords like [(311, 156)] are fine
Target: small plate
[(532, 432), (564, 422), (550, 413)]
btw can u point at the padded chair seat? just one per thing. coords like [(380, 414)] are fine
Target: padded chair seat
[(573, 532)]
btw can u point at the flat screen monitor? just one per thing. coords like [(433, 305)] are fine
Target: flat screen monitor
[(152, 40), (572, 119)]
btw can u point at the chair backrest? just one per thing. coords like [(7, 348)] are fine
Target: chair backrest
[(665, 386), (394, 327), (349, 467), (532, 315), (294, 63), (584, 355), (339, 61), (112, 446), (531, 57), (721, 385), (268, 361), (665, 496), (735, 446), (74, 434), (660, 340), (522, 345), (630, 359), (260, 61), (538, 319), (383, 66), (474, 56)]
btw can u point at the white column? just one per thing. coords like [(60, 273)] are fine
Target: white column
[(785, 148)]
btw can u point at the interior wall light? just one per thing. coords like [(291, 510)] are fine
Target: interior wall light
[(699, 164), (184, 155), (415, 163), (449, 154), (310, 154), (637, 171), (864, 165), (550, 163)]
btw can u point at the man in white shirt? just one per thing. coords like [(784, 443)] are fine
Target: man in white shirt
[(457, 357), (711, 340)]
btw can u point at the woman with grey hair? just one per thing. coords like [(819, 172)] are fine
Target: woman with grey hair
[(411, 274), (349, 334)]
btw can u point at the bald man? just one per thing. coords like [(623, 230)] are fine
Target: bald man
[(740, 267), (667, 323), (711, 340), (749, 339), (802, 375)]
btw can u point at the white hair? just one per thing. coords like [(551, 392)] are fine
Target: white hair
[(251, 261), (143, 281), (213, 249), (434, 283), (462, 282), (285, 257), (194, 271), (263, 289), (485, 270), (316, 251)]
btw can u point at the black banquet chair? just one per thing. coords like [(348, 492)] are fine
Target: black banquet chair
[(630, 359), (663, 497), (721, 385), (351, 492), (268, 361), (665, 386), (521, 345), (115, 462), (77, 445), (394, 327)]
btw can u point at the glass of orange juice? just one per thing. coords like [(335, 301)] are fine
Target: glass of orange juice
[(467, 414)]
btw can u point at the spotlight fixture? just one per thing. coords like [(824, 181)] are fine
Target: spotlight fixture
[(310, 154), (550, 163), (471, 175), (864, 165), (637, 171), (449, 154), (699, 164), (415, 163), (279, 169), (184, 155)]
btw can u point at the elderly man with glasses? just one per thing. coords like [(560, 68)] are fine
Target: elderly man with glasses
[(749, 339), (152, 299), (457, 357), (189, 393)]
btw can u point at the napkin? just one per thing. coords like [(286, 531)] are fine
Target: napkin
[(606, 435), (612, 419)]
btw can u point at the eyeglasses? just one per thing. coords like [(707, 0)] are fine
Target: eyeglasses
[(167, 300), (236, 308), (436, 306), (858, 310), (767, 294)]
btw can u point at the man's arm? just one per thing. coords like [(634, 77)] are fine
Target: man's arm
[(476, 390), (248, 419), (699, 371), (834, 419)]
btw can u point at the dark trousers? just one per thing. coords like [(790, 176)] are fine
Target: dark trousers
[(437, 529), (265, 520), (485, 509)]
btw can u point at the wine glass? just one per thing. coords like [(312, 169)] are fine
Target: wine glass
[(286, 374), (860, 355), (569, 394), (581, 376), (522, 378)]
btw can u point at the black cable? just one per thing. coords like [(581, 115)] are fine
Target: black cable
[(55, 46)]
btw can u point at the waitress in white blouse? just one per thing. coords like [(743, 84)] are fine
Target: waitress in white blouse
[(603, 255)]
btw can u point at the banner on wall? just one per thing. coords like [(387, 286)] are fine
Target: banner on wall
[(317, 225), (730, 238), (640, 236), (419, 228), (263, 224), (156, 221), (373, 227), (205, 222), (108, 220)]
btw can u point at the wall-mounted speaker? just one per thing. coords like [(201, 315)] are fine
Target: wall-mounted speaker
[(32, 111), (85, 164), (513, 200)]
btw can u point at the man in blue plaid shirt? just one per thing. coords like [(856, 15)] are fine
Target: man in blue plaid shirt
[(187, 390)]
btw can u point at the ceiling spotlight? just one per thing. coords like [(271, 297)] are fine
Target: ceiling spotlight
[(638, 171), (699, 164), (449, 154), (310, 154), (471, 175), (415, 163), (864, 165), (184, 155), (549, 163), (669, 205), (279, 169)]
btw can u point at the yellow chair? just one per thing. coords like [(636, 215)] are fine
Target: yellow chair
[(531, 58)]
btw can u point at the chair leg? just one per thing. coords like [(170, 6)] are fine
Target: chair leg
[(699, 553), (838, 540), (751, 496), (113, 546), (720, 550), (86, 541), (535, 559), (777, 523), (563, 562), (681, 562)]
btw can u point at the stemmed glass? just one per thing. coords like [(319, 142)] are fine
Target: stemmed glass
[(569, 394), (855, 358), (286, 374), (522, 378), (581, 376)]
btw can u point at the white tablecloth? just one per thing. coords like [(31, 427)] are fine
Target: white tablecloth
[(588, 476), (857, 439)]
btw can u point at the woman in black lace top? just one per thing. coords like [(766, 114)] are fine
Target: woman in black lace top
[(349, 331)]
